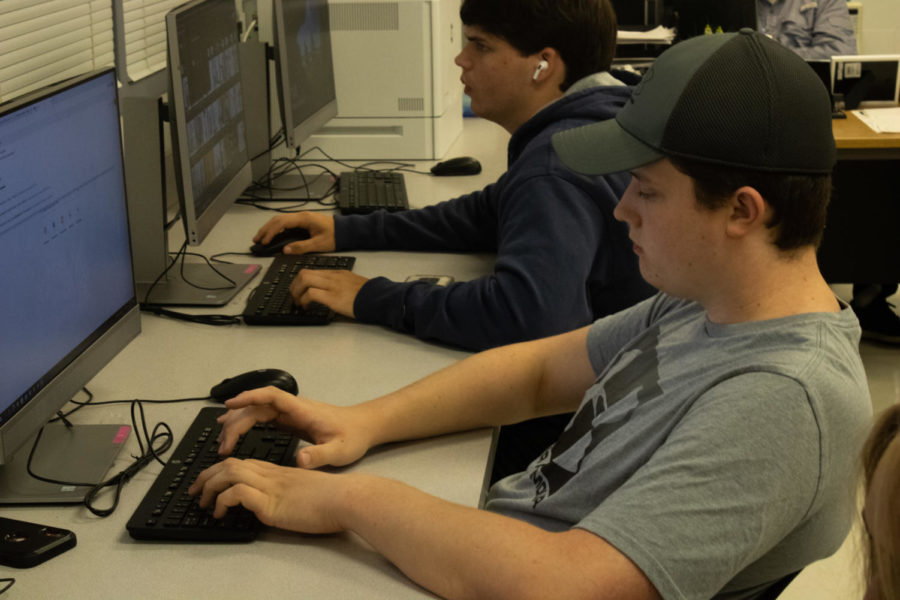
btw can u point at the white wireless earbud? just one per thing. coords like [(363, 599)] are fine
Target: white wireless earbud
[(541, 66)]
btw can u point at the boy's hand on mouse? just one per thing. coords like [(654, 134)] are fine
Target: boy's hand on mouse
[(338, 436), (336, 289), (319, 226)]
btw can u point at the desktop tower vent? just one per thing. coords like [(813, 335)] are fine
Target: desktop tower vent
[(411, 105), (362, 16)]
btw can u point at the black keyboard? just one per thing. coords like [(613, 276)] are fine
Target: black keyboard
[(362, 192), (167, 512), (271, 302)]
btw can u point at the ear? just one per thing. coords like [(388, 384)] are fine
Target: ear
[(548, 67), (749, 213)]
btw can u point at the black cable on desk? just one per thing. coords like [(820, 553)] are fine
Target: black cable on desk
[(207, 319), (158, 441)]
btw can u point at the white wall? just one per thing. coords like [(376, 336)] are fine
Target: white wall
[(880, 27)]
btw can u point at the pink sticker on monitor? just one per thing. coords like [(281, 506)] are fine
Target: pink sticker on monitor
[(122, 434)]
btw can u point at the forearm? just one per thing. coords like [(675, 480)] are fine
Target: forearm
[(461, 552), (500, 386), (462, 224)]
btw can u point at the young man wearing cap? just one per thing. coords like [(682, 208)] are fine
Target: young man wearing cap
[(713, 447), (562, 259)]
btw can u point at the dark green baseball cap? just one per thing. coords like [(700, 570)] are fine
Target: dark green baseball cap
[(736, 99)]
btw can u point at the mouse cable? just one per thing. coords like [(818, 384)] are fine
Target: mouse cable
[(207, 319), (61, 416), (397, 166), (173, 261), (301, 204), (158, 441), (183, 253), (9, 581)]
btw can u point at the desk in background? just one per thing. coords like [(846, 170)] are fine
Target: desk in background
[(343, 363), (861, 243)]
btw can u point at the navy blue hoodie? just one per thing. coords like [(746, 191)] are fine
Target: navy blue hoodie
[(562, 259)]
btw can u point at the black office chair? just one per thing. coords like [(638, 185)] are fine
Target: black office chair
[(773, 591)]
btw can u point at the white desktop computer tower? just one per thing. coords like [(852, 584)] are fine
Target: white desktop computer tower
[(398, 89)]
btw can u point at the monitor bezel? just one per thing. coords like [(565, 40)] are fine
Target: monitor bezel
[(840, 62)]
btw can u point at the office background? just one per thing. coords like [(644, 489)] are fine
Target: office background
[(42, 41)]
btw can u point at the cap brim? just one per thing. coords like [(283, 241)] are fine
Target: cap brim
[(602, 148)]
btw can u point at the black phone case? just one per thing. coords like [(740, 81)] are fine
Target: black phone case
[(24, 544)]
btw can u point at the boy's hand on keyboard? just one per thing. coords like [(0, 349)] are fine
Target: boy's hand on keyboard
[(320, 227), (338, 436), (292, 499), (336, 289)]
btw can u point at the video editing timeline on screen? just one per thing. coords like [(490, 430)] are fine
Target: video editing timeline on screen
[(213, 96)]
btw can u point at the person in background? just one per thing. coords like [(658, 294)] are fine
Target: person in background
[(819, 30), (881, 512), (717, 425), (812, 29)]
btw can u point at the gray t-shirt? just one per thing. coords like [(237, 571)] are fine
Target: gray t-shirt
[(718, 458)]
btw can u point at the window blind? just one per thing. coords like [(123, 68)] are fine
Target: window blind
[(143, 24), (44, 41)]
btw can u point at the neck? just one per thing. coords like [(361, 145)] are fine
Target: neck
[(536, 105), (788, 284)]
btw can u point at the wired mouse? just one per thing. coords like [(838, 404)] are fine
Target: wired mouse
[(231, 387), (279, 241), (461, 165)]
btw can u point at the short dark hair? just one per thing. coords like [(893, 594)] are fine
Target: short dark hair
[(799, 201), (582, 31)]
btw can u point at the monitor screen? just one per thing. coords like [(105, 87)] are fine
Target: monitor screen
[(304, 67), (68, 303), (206, 105), (866, 80)]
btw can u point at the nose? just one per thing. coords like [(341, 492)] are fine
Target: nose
[(461, 59), (458, 60), (624, 211)]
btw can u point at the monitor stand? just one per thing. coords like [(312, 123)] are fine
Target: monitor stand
[(83, 454), (206, 287)]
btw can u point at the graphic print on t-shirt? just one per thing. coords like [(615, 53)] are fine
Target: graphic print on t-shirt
[(630, 381)]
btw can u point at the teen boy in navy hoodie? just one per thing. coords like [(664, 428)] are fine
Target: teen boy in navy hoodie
[(535, 70)]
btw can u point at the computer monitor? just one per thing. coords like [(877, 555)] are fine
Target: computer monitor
[(209, 144), (304, 67), (866, 80), (68, 304)]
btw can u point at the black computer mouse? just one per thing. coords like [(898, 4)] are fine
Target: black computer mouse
[(279, 241), (231, 387), (461, 165)]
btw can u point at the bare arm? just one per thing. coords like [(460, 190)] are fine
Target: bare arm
[(496, 387), (455, 551)]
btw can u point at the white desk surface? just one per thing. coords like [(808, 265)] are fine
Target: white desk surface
[(342, 363)]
